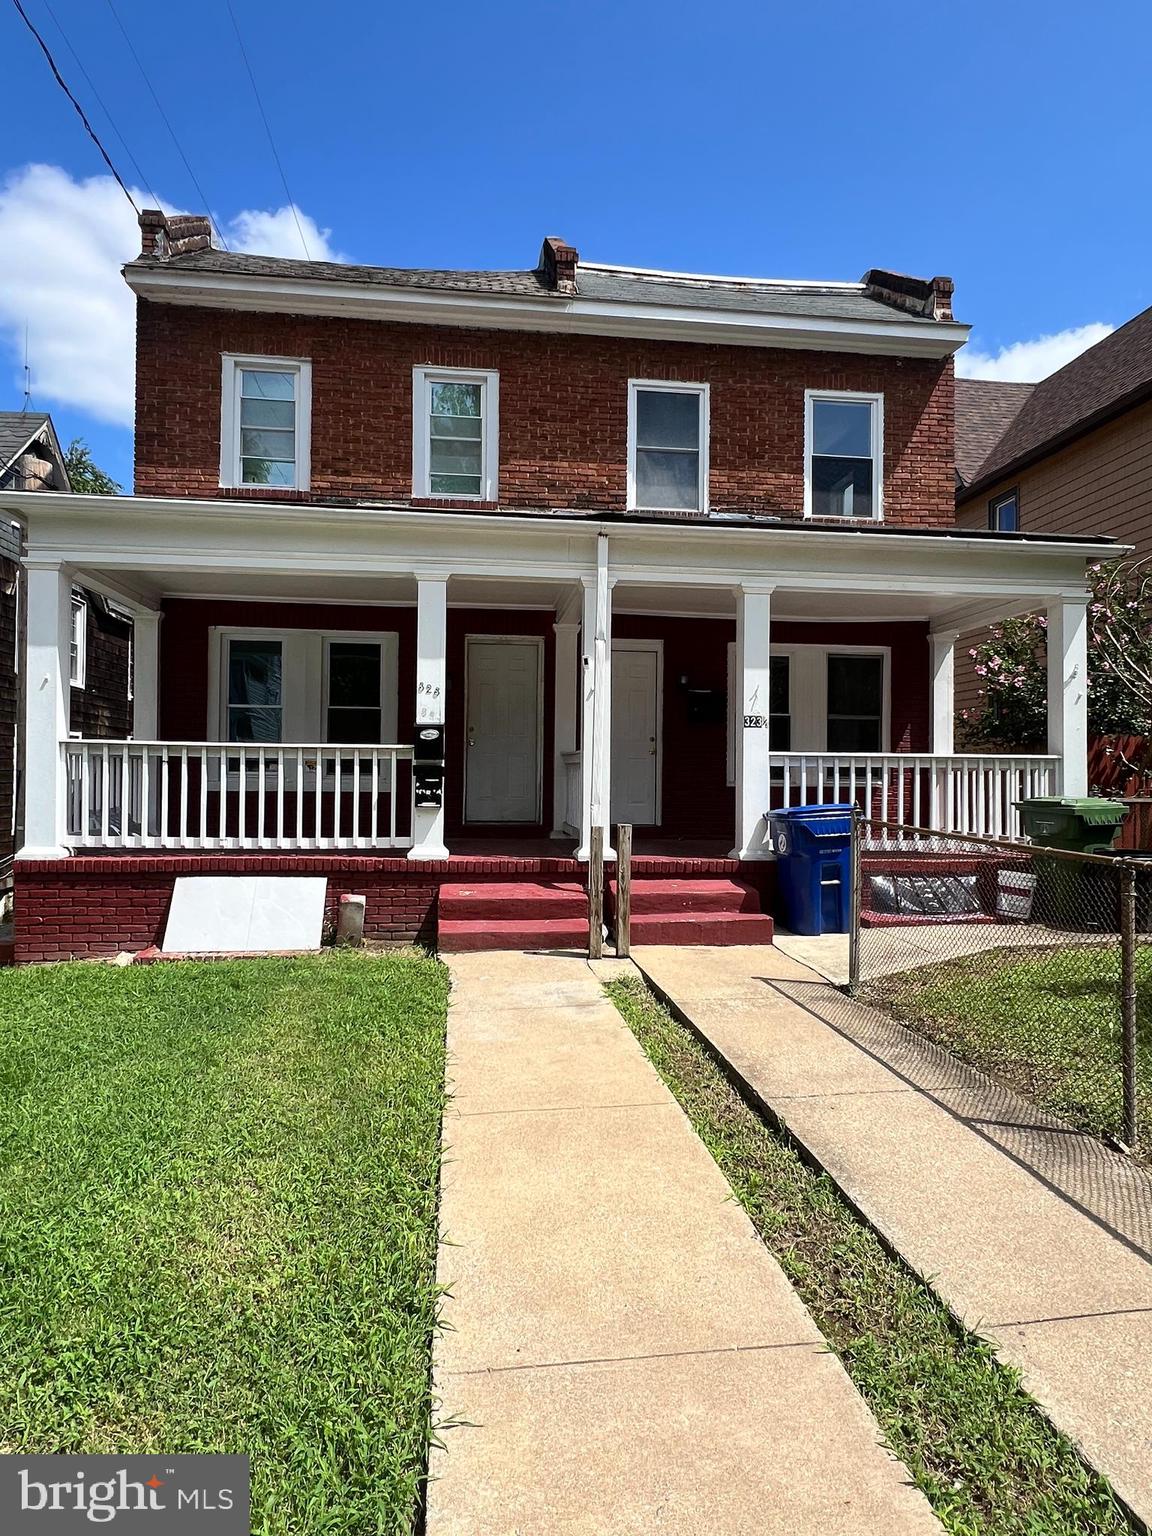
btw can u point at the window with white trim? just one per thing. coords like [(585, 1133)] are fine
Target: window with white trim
[(855, 703), (820, 699), (667, 446), (78, 642), (455, 434), (265, 427), (305, 686), (843, 469)]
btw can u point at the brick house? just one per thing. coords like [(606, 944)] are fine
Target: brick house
[(100, 647), (433, 571), (1070, 455)]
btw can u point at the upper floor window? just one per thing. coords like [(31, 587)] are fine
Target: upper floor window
[(455, 434), (78, 642), (265, 426), (1004, 512), (667, 447), (843, 470)]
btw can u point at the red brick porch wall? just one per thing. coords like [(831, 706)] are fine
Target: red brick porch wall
[(84, 908)]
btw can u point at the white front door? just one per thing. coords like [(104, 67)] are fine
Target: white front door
[(636, 732), (502, 768)]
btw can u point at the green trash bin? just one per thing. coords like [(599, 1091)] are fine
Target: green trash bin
[(1087, 825), (1079, 898)]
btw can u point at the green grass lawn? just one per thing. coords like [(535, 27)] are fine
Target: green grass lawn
[(987, 1460), (218, 1189), (1046, 1021)]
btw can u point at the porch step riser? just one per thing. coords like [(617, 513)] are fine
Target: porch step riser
[(523, 900), (662, 896), (689, 928), (461, 935)]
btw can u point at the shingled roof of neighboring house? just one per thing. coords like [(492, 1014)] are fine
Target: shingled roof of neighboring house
[(1101, 383), (183, 243), (985, 409), (17, 429)]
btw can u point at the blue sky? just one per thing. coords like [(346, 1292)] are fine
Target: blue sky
[(1004, 144)]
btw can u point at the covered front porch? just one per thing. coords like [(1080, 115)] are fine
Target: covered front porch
[(686, 678)]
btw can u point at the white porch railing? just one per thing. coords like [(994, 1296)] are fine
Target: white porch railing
[(572, 786), (233, 795), (970, 793)]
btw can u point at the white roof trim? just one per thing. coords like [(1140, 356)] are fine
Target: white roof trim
[(722, 277), (552, 313)]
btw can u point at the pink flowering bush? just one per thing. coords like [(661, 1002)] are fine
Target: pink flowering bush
[(1011, 665)]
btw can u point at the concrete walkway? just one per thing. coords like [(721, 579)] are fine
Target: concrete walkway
[(1035, 1236), (622, 1354)]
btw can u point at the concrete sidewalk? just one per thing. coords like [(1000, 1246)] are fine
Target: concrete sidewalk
[(621, 1354), (1035, 1236)]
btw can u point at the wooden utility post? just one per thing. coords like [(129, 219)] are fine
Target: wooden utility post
[(596, 893), (623, 890)]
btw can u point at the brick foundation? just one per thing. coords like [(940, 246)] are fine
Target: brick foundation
[(87, 907)]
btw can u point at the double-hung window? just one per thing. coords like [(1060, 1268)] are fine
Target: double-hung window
[(843, 468), (255, 677), (265, 429), (667, 447), (455, 434), (855, 703), (355, 687), (78, 642)]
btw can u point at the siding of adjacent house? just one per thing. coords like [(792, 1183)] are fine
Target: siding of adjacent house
[(1099, 484), (102, 707)]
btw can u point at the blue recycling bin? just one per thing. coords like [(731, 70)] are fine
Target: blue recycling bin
[(814, 867)]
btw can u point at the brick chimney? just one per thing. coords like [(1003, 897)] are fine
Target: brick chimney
[(927, 296), (165, 235), (557, 264)]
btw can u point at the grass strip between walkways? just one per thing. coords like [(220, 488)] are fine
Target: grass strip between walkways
[(988, 1461), (218, 1196)]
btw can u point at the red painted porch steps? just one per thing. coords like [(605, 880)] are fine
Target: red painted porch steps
[(553, 914)]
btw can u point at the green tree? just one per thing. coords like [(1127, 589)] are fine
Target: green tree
[(1011, 666), (87, 478)]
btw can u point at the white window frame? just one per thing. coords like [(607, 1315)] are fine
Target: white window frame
[(808, 697), (674, 387), (1002, 500), (78, 676), (423, 378), (811, 396), (304, 680), (231, 364)]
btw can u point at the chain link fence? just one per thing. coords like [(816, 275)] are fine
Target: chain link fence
[(1032, 964)]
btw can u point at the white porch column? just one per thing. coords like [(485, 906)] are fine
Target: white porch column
[(944, 693), (596, 704), (753, 775), (1068, 691), (145, 675), (566, 696), (46, 705), (431, 692)]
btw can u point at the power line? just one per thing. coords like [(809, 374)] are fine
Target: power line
[(144, 182), (60, 81), (268, 130), (164, 117)]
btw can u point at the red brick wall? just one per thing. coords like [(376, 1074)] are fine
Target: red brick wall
[(563, 409), (88, 907)]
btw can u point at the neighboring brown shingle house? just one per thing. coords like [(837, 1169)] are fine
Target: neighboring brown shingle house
[(1073, 451), (31, 459)]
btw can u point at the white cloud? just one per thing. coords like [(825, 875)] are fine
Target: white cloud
[(62, 244), (1029, 361), (274, 233)]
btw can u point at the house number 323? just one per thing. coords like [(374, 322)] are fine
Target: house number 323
[(755, 722)]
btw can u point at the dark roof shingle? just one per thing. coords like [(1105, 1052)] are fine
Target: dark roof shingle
[(17, 428), (985, 409), (1100, 383)]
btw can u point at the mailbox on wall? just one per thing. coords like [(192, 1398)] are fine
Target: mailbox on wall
[(429, 744)]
